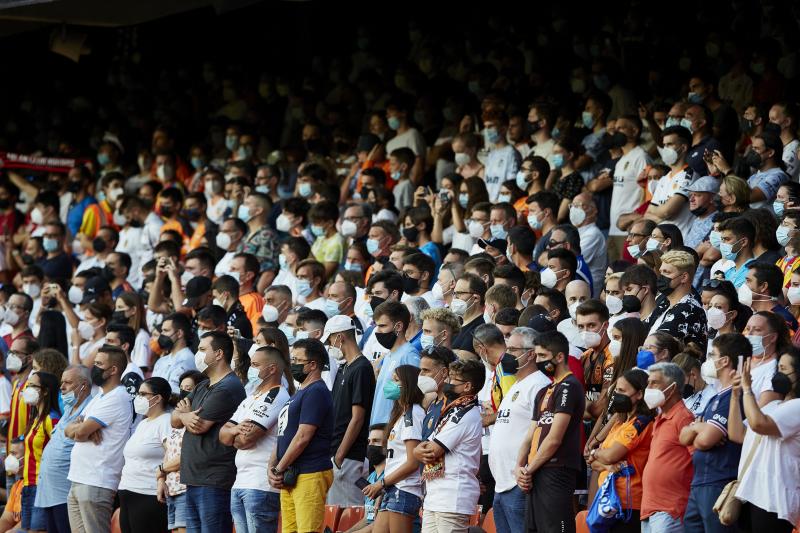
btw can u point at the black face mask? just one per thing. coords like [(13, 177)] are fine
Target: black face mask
[(313, 146), (688, 390), (781, 384), (192, 215), (74, 186), (449, 392), (509, 364), (99, 245), (533, 127), (5, 203), (747, 125), (548, 368), (663, 285), (97, 376), (166, 343), (411, 234), (166, 211), (297, 372), (375, 301), (631, 304), (621, 403), (375, 455), (108, 274), (618, 140), (28, 259), (386, 340), (183, 394), (410, 285), (700, 211), (752, 159), (119, 317), (134, 223)]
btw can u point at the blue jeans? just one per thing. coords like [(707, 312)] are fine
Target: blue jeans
[(509, 511), (700, 517), (32, 517), (662, 522), (255, 511), (208, 510), (176, 511)]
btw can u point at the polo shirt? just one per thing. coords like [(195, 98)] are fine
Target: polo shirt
[(667, 475), (719, 464), (737, 276)]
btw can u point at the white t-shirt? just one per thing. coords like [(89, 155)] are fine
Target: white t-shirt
[(626, 195), (5, 394), (141, 349), (545, 150), (484, 396), (251, 464), (772, 482), (89, 347), (130, 240), (409, 139), (171, 366), (668, 186), (502, 165), (100, 465), (762, 376), (790, 159), (513, 420), (143, 452), (402, 431), (458, 490)]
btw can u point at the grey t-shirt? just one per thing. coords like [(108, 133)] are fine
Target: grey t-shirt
[(205, 461)]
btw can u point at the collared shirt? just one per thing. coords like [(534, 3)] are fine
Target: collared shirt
[(668, 473), (768, 182), (719, 464), (171, 366), (686, 320), (738, 276), (264, 244), (701, 227)]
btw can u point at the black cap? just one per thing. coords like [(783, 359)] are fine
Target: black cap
[(197, 287), (541, 324), (94, 287), (499, 244)]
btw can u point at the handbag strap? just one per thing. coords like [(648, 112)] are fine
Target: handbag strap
[(749, 459)]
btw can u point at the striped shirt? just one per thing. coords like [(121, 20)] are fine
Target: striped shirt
[(20, 412), (35, 440)]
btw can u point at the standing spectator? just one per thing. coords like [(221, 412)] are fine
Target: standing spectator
[(503, 160), (715, 457), (513, 419), (140, 509), (451, 454), (667, 476), (207, 465), (252, 430), (53, 486), (549, 458), (19, 361), (329, 245), (41, 393), (177, 357), (99, 435), (433, 374), (305, 430), (353, 392), (401, 484)]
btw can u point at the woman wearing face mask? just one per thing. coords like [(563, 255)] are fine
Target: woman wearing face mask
[(569, 183), (463, 201), (170, 490), (90, 334), (140, 509), (41, 393), (629, 441), (401, 484), (771, 445), (465, 148), (664, 237), (214, 190), (734, 195), (662, 346), (723, 313), (699, 388), (129, 309)]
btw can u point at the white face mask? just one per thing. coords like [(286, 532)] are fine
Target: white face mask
[(223, 241), (349, 228), (13, 363), (30, 396), (548, 278), (141, 405), (12, 464), (716, 318), (590, 339), (614, 346), (200, 361), (573, 309), (577, 216), (614, 304), (427, 384), (85, 330), (655, 397), (793, 295), (459, 307), (708, 370), (75, 295), (31, 289), (475, 229), (283, 224)]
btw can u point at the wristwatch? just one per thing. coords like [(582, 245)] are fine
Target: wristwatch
[(275, 470)]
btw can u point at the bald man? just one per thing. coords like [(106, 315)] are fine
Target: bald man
[(583, 215), (576, 293)]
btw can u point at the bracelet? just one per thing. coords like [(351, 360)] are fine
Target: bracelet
[(383, 483), (747, 391)]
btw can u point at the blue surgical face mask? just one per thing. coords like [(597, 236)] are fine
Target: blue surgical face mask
[(68, 399), (558, 160), (534, 222), (757, 342), (778, 208), (103, 159), (331, 308), (231, 142), (522, 183), (49, 245), (305, 189), (504, 198), (394, 123), (686, 123), (252, 375), (673, 121), (303, 287), (353, 267), (463, 200), (726, 249), (587, 119), (263, 189), (491, 135), (317, 231), (715, 238), (498, 231), (426, 341), (373, 246), (783, 235), (244, 213), (197, 163), (288, 331), (283, 262)]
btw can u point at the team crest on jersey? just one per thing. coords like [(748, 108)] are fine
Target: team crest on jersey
[(391, 436), (515, 396)]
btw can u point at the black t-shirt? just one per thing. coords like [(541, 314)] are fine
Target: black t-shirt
[(566, 396), (238, 319), (354, 385), (205, 461), (463, 341)]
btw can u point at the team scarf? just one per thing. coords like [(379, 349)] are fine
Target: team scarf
[(436, 470), (12, 160)]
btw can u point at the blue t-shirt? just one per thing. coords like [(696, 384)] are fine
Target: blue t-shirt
[(75, 214), (312, 405), (381, 407), (719, 464)]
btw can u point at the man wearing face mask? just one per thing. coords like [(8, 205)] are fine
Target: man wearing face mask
[(80, 184), (305, 431), (177, 357), (583, 215), (57, 265), (762, 288), (670, 199), (541, 119), (667, 475), (467, 304), (442, 290), (355, 222), (418, 274), (542, 212), (406, 137), (17, 315), (225, 292), (353, 392), (208, 465), (340, 299), (261, 240), (391, 322), (386, 285), (678, 310), (702, 206), (253, 431), (503, 160), (549, 458), (18, 363), (229, 240), (245, 267), (737, 237), (52, 485), (433, 376), (765, 157), (376, 455), (716, 457), (508, 432), (597, 360), (767, 334), (99, 434), (784, 115)]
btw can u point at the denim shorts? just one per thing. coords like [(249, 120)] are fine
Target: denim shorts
[(399, 501), (176, 511), (32, 517)]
